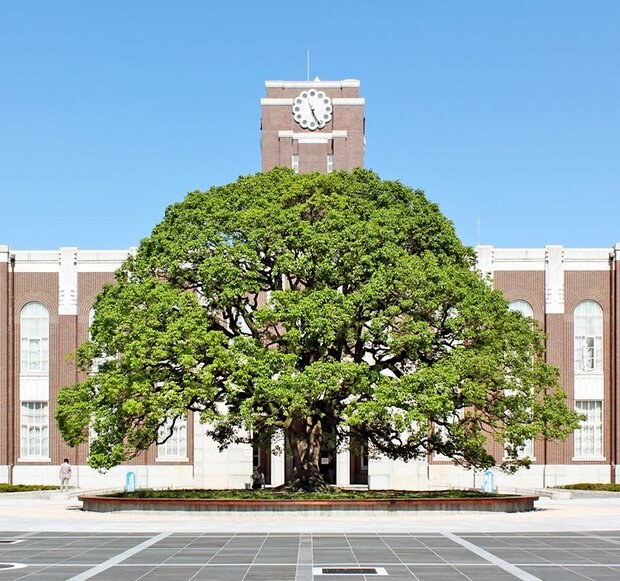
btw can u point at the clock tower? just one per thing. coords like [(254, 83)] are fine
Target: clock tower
[(312, 125)]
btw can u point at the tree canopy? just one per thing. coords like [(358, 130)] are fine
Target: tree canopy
[(299, 304)]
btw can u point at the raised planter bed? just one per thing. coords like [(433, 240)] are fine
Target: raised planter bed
[(492, 504)]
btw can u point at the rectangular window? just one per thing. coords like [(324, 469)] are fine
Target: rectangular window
[(330, 163), (34, 355), (175, 447), (34, 429), (444, 431), (526, 451), (588, 353), (295, 162), (589, 437)]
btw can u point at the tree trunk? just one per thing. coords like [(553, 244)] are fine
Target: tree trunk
[(304, 438)]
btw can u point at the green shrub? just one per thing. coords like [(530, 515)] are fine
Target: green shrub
[(275, 494), (25, 487), (593, 486)]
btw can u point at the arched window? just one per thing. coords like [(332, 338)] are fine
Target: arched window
[(588, 337), (526, 310), (522, 306), (35, 333)]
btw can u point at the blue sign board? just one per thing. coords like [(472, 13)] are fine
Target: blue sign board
[(489, 485), (130, 482)]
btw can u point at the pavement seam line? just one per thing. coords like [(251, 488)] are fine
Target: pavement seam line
[(255, 556), (491, 558), (119, 558), (305, 558)]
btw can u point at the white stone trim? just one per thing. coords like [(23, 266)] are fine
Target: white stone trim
[(349, 101), (589, 386), (518, 259), (60, 261), (276, 101), (101, 260), (554, 280), (288, 101), (4, 253), (586, 259), (37, 260), (312, 137), (318, 84), (484, 260), (34, 387), (68, 282)]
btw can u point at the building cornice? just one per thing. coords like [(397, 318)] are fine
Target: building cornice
[(309, 137), (336, 101), (317, 83)]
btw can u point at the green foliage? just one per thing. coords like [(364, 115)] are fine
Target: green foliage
[(339, 298), (4, 487), (273, 494), (608, 487)]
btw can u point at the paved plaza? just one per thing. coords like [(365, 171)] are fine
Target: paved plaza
[(564, 540)]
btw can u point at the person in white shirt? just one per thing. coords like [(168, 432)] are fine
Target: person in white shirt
[(65, 475)]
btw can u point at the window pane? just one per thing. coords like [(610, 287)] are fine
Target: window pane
[(589, 437), (522, 307), (176, 445), (34, 438), (588, 337), (34, 327)]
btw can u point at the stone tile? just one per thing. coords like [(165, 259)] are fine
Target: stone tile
[(120, 573), (442, 572), (215, 573), (597, 573), (485, 573), (555, 573)]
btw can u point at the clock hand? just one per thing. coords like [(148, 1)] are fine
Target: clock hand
[(313, 113)]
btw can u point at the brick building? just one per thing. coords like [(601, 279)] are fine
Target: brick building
[(46, 300)]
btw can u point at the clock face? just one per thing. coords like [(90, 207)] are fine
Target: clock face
[(312, 109)]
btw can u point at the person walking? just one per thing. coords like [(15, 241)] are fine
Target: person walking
[(65, 475)]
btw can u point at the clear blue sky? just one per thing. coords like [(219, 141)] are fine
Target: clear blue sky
[(507, 111)]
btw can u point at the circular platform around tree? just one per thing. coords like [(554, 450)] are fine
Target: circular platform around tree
[(486, 504)]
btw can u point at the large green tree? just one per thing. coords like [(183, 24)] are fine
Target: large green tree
[(305, 304)]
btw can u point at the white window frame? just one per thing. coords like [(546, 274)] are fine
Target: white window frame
[(456, 417), (525, 451), (522, 307), (588, 338), (34, 431), (330, 162), (174, 449), (591, 428), (34, 329), (295, 162)]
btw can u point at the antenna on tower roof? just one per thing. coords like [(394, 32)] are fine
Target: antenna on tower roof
[(308, 65)]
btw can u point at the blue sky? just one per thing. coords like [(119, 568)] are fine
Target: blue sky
[(504, 111)]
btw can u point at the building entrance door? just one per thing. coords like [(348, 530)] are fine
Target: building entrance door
[(358, 455), (261, 457)]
